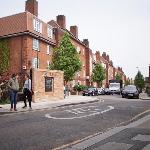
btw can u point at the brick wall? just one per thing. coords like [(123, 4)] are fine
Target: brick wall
[(38, 84)]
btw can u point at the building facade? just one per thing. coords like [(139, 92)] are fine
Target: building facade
[(31, 42)]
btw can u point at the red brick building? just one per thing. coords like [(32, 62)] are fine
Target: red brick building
[(31, 42), (30, 39)]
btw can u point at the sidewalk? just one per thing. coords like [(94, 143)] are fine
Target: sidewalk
[(70, 100), (135, 136), (144, 96)]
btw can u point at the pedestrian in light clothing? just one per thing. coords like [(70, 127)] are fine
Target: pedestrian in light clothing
[(13, 86), (27, 91)]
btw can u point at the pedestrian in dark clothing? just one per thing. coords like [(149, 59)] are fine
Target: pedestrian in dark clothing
[(27, 91), (13, 86)]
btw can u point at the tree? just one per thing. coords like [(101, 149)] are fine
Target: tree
[(139, 81), (98, 74), (66, 58), (118, 77), (127, 82)]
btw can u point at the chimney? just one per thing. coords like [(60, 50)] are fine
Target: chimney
[(61, 20), (98, 58), (74, 30), (104, 55), (86, 42), (107, 58), (32, 7)]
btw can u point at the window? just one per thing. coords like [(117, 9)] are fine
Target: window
[(48, 63), (37, 25), (49, 84), (78, 50), (35, 63), (48, 49), (50, 31), (83, 51), (36, 44)]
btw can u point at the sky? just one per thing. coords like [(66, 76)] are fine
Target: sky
[(121, 28)]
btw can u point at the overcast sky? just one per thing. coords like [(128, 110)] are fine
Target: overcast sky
[(121, 28)]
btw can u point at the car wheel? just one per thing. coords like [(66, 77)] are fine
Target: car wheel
[(122, 96)]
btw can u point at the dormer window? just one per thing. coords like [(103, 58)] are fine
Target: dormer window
[(37, 25), (50, 31)]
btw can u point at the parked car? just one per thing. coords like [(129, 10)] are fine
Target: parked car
[(92, 91), (130, 91), (107, 91), (101, 91)]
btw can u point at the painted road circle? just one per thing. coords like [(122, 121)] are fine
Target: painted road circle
[(81, 113)]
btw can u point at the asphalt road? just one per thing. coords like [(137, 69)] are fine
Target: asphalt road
[(48, 129)]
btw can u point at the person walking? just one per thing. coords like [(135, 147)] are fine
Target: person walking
[(13, 86), (27, 91)]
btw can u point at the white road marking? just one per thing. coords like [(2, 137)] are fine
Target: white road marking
[(78, 117), (72, 112)]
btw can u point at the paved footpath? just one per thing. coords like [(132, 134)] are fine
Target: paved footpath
[(48, 104), (135, 136)]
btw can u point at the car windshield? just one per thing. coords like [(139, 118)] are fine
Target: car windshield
[(130, 87), (114, 85), (91, 89)]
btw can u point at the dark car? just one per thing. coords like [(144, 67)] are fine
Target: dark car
[(130, 91), (90, 92)]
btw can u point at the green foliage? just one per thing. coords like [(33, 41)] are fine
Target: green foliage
[(118, 77), (127, 82), (98, 74), (79, 87), (4, 55), (66, 58), (139, 81)]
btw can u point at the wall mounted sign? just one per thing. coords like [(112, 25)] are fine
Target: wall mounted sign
[(49, 84)]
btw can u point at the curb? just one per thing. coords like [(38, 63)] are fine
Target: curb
[(120, 126), (147, 98), (45, 108)]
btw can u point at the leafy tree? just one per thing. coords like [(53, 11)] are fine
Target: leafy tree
[(98, 74), (118, 77), (139, 81), (127, 82), (66, 58)]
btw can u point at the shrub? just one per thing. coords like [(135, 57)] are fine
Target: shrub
[(79, 87)]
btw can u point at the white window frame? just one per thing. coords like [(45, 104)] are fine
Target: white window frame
[(35, 61), (37, 25), (48, 63), (48, 49), (78, 50), (50, 31), (36, 45)]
